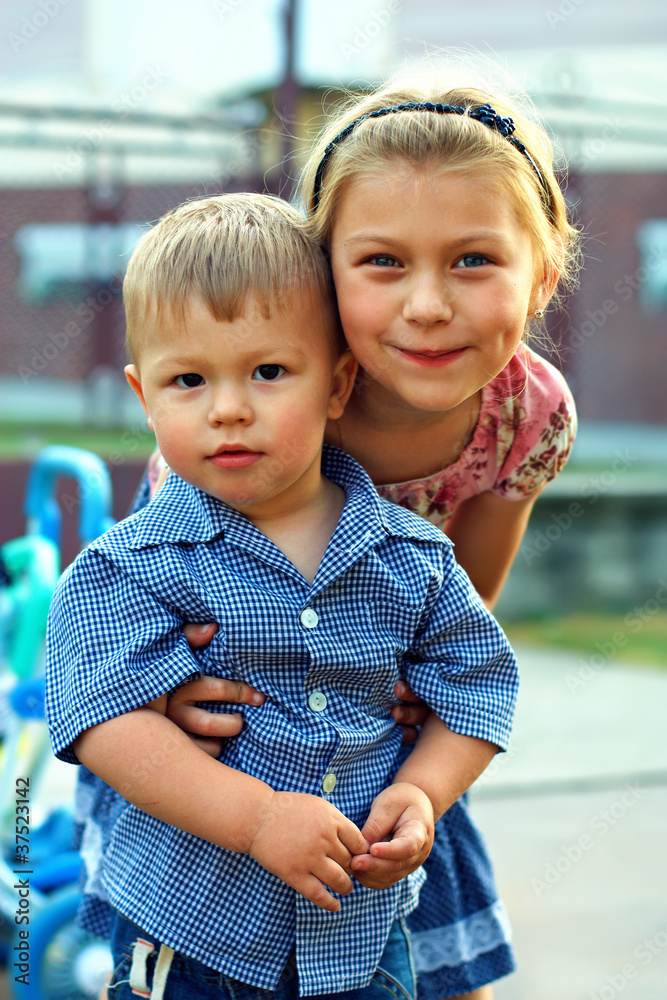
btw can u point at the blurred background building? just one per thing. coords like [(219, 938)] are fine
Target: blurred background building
[(113, 111), (110, 113)]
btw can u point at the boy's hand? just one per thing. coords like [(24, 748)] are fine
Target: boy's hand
[(308, 843), (399, 830)]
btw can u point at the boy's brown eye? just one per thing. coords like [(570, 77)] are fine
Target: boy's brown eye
[(189, 381), (268, 373)]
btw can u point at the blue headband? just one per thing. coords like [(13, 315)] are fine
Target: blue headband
[(484, 114)]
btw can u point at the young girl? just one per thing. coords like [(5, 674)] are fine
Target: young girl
[(448, 233), (448, 236)]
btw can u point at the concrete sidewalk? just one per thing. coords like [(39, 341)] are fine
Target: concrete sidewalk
[(575, 816)]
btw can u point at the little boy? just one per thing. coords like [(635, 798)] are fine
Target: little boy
[(324, 595)]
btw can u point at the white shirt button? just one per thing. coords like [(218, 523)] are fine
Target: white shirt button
[(317, 701), (329, 783), (308, 618)]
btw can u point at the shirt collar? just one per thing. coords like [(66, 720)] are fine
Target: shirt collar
[(180, 512)]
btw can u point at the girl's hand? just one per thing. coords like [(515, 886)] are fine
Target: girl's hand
[(214, 728), (399, 831), (209, 729), (409, 716)]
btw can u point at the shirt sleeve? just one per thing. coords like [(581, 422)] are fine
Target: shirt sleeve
[(111, 647), (541, 421), (463, 666)]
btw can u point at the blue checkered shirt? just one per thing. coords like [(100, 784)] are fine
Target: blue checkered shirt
[(388, 601)]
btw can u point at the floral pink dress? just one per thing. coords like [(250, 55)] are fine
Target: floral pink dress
[(522, 440)]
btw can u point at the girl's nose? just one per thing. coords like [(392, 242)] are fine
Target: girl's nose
[(230, 405), (427, 301)]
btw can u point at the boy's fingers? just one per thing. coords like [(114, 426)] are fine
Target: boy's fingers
[(379, 825), (403, 847), (312, 889), (351, 838), (370, 863), (392, 855), (332, 875), (372, 881)]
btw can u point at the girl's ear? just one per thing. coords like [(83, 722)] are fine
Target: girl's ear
[(344, 374), (545, 288), (542, 295), (132, 376)]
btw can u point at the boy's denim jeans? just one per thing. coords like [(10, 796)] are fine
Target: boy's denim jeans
[(188, 979)]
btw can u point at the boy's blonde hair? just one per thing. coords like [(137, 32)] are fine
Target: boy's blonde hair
[(445, 142), (225, 250)]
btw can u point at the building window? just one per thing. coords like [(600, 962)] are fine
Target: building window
[(61, 259), (651, 277)]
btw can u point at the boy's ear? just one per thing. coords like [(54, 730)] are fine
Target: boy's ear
[(132, 376), (344, 374)]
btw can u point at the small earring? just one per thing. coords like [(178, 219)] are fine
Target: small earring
[(539, 313)]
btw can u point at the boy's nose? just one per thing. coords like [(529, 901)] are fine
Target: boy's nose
[(230, 406), (427, 302)]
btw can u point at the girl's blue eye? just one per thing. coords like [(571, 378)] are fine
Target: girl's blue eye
[(383, 260), (189, 381), (268, 373), (472, 260)]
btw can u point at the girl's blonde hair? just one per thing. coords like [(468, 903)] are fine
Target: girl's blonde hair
[(224, 250), (449, 142)]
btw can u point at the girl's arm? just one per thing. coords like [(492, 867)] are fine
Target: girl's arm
[(487, 532)]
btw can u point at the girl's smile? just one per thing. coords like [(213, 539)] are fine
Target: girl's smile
[(435, 278), (432, 359)]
